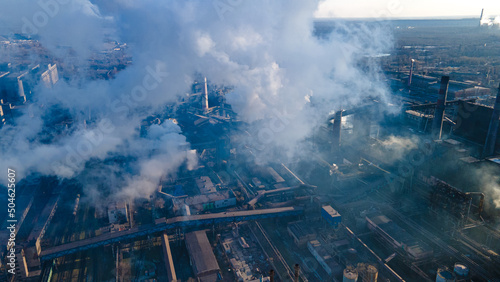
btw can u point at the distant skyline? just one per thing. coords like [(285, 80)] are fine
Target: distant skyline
[(407, 9)]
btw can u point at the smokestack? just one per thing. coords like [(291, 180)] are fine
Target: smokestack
[(411, 72), (491, 138), (297, 269), (437, 123), (481, 17), (205, 97), (336, 140), (271, 275)]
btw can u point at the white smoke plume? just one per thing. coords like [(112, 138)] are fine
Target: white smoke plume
[(489, 183), (396, 148), (285, 79), (490, 21)]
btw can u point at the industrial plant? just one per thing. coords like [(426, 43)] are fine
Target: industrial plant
[(401, 185)]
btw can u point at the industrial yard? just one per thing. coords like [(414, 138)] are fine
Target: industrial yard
[(396, 187)]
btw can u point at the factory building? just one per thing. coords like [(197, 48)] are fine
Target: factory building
[(322, 256), (301, 233), (205, 185), (50, 76), (448, 198), (206, 202), (168, 259), (418, 120), (425, 86), (274, 176), (203, 260), (398, 238), (474, 123), (16, 88), (331, 216), (117, 212), (23, 206), (257, 183)]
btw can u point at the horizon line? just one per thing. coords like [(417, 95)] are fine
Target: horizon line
[(401, 18)]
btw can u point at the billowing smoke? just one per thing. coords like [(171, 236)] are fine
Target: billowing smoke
[(163, 150), (489, 183), (285, 80), (490, 21), (396, 148)]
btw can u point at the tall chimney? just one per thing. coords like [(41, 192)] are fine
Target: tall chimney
[(411, 72), (481, 17), (297, 269), (205, 97), (437, 122), (271, 275), (336, 133), (491, 138)]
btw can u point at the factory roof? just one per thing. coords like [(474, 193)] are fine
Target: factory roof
[(413, 246), (298, 229), (495, 160), (391, 228), (205, 198), (117, 205), (201, 253), (44, 218), (205, 185), (331, 211), (470, 160), (276, 177), (317, 246), (167, 257)]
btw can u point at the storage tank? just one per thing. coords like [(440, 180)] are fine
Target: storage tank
[(371, 273), (461, 271), (350, 274), (444, 275)]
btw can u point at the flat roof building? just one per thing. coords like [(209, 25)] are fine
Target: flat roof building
[(398, 238), (205, 185), (331, 216)]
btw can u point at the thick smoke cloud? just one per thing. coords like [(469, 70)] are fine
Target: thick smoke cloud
[(285, 80)]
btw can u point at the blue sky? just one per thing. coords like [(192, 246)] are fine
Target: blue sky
[(407, 8)]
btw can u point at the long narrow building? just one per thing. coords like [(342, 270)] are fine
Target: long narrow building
[(203, 260)]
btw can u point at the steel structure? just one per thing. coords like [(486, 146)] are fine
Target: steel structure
[(163, 224)]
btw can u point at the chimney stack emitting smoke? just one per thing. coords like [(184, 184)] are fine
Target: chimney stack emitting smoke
[(336, 140), (437, 122), (481, 17), (411, 72), (262, 86), (491, 138)]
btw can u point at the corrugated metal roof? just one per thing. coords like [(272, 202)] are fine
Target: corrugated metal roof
[(201, 252)]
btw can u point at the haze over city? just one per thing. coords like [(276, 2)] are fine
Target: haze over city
[(233, 140)]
